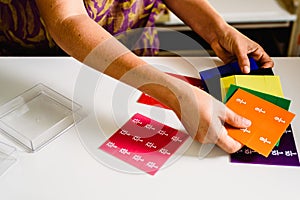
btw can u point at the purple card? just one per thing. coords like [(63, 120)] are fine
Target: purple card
[(285, 154)]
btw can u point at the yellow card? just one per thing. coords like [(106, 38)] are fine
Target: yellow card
[(262, 83)]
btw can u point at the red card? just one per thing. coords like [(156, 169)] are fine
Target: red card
[(144, 143), (269, 121), (148, 100)]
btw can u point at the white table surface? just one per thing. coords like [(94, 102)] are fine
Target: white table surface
[(246, 11), (66, 169)]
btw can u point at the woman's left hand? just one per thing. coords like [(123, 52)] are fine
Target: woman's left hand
[(232, 45)]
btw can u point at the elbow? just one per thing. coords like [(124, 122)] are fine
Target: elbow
[(68, 34)]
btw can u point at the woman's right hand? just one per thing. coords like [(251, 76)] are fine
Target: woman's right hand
[(204, 117)]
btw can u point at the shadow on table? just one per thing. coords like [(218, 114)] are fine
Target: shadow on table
[(203, 151)]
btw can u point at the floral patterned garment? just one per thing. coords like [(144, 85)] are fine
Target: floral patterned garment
[(22, 28)]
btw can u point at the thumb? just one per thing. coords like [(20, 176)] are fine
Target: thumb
[(236, 120)]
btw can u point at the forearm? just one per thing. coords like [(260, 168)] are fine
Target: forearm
[(200, 16), (123, 65), (165, 88), (88, 42)]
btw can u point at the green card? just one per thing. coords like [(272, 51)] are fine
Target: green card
[(279, 101)]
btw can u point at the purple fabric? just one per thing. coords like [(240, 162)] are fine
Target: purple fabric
[(118, 18), (21, 25)]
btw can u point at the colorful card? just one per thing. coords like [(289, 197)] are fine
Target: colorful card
[(211, 77), (148, 100), (284, 155), (144, 143), (226, 70), (281, 102), (269, 121), (262, 83)]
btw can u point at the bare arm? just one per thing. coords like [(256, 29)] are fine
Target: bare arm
[(71, 27), (79, 36), (82, 38)]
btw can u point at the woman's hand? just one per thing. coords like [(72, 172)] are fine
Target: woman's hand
[(204, 118), (230, 45)]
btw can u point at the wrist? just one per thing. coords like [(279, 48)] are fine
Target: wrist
[(216, 30), (168, 90)]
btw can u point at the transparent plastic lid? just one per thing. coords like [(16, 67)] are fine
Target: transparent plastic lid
[(6, 157), (37, 116)]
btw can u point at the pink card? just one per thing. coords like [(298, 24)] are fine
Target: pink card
[(144, 143)]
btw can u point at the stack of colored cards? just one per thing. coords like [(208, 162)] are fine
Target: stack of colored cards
[(147, 144), (211, 78), (257, 96)]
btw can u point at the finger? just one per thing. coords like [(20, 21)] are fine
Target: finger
[(266, 61), (262, 57), (227, 143), (243, 60), (244, 63), (236, 120)]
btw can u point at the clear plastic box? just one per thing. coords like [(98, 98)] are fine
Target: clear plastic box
[(37, 116), (6, 157)]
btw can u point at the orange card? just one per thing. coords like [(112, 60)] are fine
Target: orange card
[(269, 121)]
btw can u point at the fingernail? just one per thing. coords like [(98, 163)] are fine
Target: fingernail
[(246, 69), (247, 122)]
